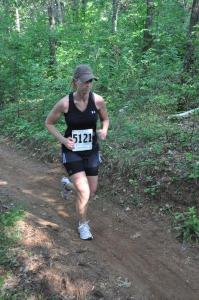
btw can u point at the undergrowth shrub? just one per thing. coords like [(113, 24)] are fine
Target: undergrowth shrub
[(187, 225), (9, 235)]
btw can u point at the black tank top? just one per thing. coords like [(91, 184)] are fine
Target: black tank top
[(87, 119)]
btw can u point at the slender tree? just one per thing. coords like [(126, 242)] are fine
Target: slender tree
[(52, 39), (17, 20), (75, 7), (83, 5), (115, 9), (60, 11), (147, 37), (55, 16), (189, 58)]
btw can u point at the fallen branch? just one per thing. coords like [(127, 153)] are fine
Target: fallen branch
[(184, 114)]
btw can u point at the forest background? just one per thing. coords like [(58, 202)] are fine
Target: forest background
[(146, 55)]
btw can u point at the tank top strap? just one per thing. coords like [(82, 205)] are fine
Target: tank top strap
[(91, 97), (71, 97), (92, 100), (71, 101)]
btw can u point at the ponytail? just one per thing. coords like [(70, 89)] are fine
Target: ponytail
[(73, 84)]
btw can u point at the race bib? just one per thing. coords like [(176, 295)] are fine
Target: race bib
[(83, 139)]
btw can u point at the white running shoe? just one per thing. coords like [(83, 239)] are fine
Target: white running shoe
[(65, 190), (65, 180), (84, 231)]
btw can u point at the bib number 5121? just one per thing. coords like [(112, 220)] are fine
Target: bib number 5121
[(83, 139)]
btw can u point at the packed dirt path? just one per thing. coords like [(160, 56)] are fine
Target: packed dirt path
[(134, 254)]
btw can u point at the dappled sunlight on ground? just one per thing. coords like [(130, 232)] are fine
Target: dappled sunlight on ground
[(3, 182), (42, 222), (40, 196), (44, 263), (62, 213)]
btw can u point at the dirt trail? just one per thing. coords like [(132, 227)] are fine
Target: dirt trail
[(133, 255)]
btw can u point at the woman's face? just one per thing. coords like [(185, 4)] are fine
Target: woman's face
[(84, 87)]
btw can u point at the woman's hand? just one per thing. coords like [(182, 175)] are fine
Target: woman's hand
[(102, 133), (69, 143)]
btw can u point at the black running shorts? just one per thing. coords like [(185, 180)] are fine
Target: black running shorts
[(75, 162)]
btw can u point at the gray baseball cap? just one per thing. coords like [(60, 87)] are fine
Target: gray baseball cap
[(84, 73)]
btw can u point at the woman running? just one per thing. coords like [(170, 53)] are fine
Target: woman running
[(80, 148)]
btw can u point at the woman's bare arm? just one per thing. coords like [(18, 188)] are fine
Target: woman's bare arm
[(101, 106), (52, 118)]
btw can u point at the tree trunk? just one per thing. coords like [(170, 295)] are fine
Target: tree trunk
[(52, 39), (116, 7), (60, 11), (84, 4), (184, 3), (147, 37), (190, 51), (17, 20), (75, 7), (184, 114)]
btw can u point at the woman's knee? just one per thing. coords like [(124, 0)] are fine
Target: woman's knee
[(84, 192), (82, 187)]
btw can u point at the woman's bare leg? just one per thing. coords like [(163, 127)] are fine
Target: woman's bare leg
[(93, 182), (82, 190)]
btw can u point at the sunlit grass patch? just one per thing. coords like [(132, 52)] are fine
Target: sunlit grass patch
[(9, 236)]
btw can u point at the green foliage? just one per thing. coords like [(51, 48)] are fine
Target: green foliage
[(187, 225), (9, 237), (1, 282), (11, 217), (152, 190), (113, 57), (141, 88), (195, 171)]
